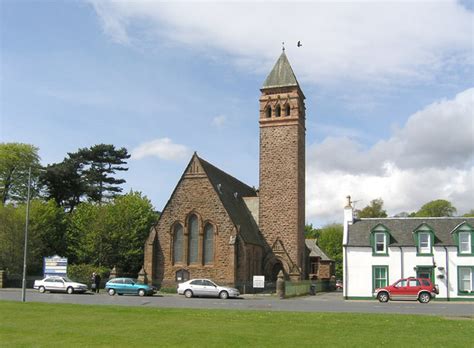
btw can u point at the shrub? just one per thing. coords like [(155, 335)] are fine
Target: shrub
[(83, 272)]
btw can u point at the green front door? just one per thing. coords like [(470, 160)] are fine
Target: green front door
[(425, 272)]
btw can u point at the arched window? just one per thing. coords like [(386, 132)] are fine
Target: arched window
[(208, 247), (178, 238), (287, 112), (193, 240), (278, 111), (268, 112)]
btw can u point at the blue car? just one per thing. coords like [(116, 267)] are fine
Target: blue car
[(123, 286)]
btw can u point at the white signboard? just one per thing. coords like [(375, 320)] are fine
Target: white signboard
[(259, 281), (55, 265)]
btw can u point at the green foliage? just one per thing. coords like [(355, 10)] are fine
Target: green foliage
[(45, 235), (111, 234), (330, 241), (98, 164), (436, 208), (15, 161), (373, 210), (310, 232), (39, 324), (469, 214), (83, 272)]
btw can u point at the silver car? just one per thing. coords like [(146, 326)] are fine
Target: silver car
[(59, 284), (206, 288)]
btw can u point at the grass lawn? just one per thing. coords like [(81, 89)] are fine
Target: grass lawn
[(53, 325)]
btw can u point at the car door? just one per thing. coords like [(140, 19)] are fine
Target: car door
[(398, 290), (413, 288), (197, 287), (50, 284), (128, 286), (209, 289)]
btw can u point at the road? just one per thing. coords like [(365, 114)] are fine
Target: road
[(323, 302)]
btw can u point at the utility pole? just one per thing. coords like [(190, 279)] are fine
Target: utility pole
[(23, 289)]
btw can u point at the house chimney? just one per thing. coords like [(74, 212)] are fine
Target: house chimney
[(348, 219)]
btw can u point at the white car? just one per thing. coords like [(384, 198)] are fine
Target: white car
[(206, 288), (59, 284)]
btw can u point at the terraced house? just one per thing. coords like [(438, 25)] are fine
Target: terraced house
[(378, 252), (217, 227)]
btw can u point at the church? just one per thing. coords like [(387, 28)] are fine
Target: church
[(217, 227)]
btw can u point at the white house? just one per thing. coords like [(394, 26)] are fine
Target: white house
[(379, 251)]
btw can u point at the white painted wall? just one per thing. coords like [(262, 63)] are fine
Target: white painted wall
[(359, 262)]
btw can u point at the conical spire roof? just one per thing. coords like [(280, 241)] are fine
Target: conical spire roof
[(281, 75)]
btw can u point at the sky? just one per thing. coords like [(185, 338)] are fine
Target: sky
[(389, 91)]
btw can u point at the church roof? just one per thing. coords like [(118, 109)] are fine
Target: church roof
[(281, 75), (230, 191)]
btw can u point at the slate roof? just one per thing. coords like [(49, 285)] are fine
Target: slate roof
[(282, 74), (401, 230), (315, 251), (226, 186)]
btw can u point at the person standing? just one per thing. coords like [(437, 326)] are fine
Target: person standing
[(97, 280)]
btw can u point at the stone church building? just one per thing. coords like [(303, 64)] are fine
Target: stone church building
[(215, 226)]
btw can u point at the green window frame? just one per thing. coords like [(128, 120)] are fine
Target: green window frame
[(424, 240), (464, 239), (380, 240), (379, 277), (466, 280)]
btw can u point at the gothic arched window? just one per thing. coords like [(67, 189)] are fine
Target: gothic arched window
[(208, 244), (178, 238), (287, 113), (278, 111), (193, 241), (268, 112)]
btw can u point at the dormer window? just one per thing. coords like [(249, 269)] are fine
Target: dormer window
[(463, 235), (424, 240), (380, 239), (424, 246), (465, 243), (380, 243)]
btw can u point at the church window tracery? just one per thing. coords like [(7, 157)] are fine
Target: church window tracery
[(208, 244), (193, 241)]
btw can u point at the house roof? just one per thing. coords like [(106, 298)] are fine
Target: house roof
[(401, 230), (315, 251), (231, 190), (282, 74)]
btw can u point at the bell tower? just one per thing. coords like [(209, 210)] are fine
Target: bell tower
[(282, 171)]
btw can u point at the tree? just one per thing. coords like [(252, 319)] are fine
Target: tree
[(64, 184), (469, 214), (310, 232), (99, 163), (373, 210), (45, 235), (436, 208), (111, 234), (330, 241), (15, 161)]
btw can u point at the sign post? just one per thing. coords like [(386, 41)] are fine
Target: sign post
[(55, 265)]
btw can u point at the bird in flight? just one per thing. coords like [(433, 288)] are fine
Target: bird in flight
[(299, 44)]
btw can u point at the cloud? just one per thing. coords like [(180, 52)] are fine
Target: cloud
[(341, 40), (431, 157), (162, 148), (219, 121)]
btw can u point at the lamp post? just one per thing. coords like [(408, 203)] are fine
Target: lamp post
[(23, 288)]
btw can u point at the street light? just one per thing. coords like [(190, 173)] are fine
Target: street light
[(23, 288)]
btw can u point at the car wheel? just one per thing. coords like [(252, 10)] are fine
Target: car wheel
[(111, 292), (223, 295), (70, 290), (382, 296), (188, 294), (141, 292), (424, 297), (41, 289)]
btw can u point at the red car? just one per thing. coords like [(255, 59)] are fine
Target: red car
[(420, 289)]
